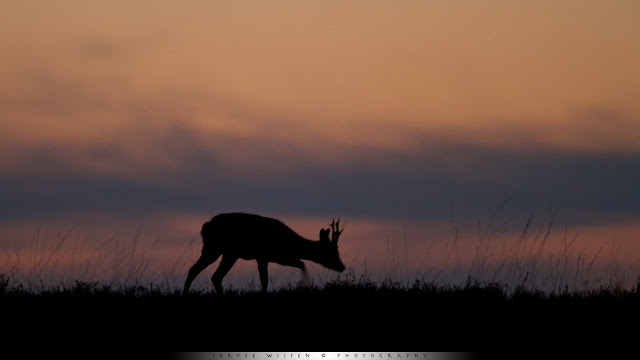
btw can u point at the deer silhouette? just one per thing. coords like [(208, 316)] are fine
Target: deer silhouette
[(247, 236)]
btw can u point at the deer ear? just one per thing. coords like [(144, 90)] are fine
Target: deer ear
[(324, 235)]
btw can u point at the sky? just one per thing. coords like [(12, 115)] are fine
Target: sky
[(413, 120)]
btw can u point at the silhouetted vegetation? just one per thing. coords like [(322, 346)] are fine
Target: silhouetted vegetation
[(346, 314)]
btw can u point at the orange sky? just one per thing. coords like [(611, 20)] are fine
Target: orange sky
[(353, 73)]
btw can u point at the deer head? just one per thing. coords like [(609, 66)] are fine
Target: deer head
[(331, 257)]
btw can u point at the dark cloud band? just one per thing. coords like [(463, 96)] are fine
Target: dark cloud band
[(202, 175)]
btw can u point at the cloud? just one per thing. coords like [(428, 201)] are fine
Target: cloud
[(179, 169)]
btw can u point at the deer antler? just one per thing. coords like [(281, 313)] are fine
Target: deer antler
[(335, 230)]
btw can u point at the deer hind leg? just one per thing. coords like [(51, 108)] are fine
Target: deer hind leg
[(205, 260), (225, 265), (264, 274)]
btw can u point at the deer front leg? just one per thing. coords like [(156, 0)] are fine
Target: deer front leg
[(264, 275), (298, 264), (294, 263)]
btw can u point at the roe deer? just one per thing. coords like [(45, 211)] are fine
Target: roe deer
[(245, 236)]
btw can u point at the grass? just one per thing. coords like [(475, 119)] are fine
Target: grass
[(348, 315)]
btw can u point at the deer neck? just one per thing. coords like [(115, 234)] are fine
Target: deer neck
[(308, 250)]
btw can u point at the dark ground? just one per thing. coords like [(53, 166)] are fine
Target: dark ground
[(480, 319)]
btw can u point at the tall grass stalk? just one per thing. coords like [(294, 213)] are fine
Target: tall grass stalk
[(41, 264)]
